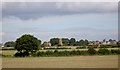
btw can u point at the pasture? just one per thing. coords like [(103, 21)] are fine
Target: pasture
[(108, 61)]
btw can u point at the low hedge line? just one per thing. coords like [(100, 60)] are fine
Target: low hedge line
[(90, 51), (56, 48)]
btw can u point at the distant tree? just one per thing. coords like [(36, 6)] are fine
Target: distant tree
[(72, 41), (97, 41), (86, 42), (0, 45), (65, 41), (81, 43), (110, 40), (104, 40), (9, 44), (54, 41), (77, 43), (27, 43)]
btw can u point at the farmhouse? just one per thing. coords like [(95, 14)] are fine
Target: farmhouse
[(47, 44)]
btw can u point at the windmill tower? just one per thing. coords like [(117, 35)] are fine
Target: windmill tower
[(60, 42)]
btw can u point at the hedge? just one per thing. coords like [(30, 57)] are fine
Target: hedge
[(90, 51)]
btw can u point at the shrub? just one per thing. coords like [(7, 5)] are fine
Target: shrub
[(73, 52), (19, 54), (41, 53), (91, 51), (115, 51), (83, 47), (49, 52), (56, 51), (78, 52), (84, 52), (103, 51)]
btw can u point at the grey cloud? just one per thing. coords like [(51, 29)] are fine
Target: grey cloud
[(34, 10)]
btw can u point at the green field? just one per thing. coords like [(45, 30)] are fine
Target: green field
[(109, 61)]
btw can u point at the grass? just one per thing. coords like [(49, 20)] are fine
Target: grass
[(109, 61)]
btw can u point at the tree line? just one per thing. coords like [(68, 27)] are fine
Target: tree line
[(68, 42), (28, 44)]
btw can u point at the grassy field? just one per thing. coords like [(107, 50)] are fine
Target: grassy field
[(109, 61), (12, 52)]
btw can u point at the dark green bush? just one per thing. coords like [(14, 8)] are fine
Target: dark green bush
[(103, 51), (19, 54), (49, 52), (83, 47), (115, 51), (56, 48), (91, 51), (41, 53), (56, 51)]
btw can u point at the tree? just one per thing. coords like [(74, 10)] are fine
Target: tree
[(81, 43), (54, 41), (91, 51), (65, 41), (0, 45), (9, 44), (72, 41), (104, 40), (86, 42), (27, 43), (39, 41), (110, 40)]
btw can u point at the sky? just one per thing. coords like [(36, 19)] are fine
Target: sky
[(45, 20)]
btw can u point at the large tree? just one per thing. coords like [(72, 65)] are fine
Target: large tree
[(27, 43), (9, 44)]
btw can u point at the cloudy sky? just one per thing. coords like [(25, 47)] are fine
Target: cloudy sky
[(45, 20)]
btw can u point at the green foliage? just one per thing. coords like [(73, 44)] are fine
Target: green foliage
[(49, 52), (54, 41), (72, 42), (103, 51), (41, 53), (56, 51), (65, 41), (39, 41), (57, 48), (27, 43), (115, 51), (91, 51), (9, 44), (81, 47), (42, 45)]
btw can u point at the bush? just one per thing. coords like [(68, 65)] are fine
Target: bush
[(41, 53), (49, 53), (56, 51), (91, 51), (115, 51), (84, 52), (73, 52), (103, 51), (83, 47), (19, 54)]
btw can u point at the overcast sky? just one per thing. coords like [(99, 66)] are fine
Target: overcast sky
[(45, 20)]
